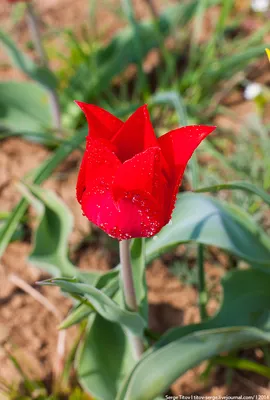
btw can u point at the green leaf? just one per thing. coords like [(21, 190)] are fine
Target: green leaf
[(24, 106), (176, 101), (77, 315), (83, 310), (105, 358), (47, 139), (107, 281), (243, 321), (19, 232), (243, 364), (204, 220), (227, 66), (249, 187), (119, 54), (20, 60), (43, 173), (51, 236), (103, 305)]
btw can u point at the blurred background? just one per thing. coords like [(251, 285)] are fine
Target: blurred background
[(192, 62)]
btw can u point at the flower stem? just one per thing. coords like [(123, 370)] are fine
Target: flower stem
[(202, 289), (129, 291), (36, 37)]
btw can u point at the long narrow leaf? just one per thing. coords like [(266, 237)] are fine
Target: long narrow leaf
[(41, 175), (243, 321), (20, 60), (246, 186), (103, 305), (205, 220)]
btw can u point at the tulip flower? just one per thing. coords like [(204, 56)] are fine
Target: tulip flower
[(129, 179)]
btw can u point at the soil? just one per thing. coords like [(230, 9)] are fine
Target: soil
[(28, 330)]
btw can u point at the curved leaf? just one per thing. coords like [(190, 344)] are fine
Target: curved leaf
[(227, 66), (47, 139), (104, 359), (243, 321), (205, 220), (20, 60), (83, 310), (249, 187), (19, 232), (103, 305), (40, 175), (242, 364), (24, 106), (78, 314), (51, 236)]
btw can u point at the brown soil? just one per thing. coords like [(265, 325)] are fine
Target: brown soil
[(27, 329)]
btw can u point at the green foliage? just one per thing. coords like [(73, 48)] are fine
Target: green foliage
[(43, 173), (18, 233), (243, 321), (208, 221), (119, 54), (242, 364), (229, 65), (246, 186), (108, 282), (104, 359), (29, 389), (20, 60), (54, 226), (102, 304), (47, 139), (24, 106)]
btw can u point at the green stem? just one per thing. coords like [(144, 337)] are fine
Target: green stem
[(202, 287), (129, 291), (36, 37)]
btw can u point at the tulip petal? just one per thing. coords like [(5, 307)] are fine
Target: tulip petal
[(178, 145), (177, 148), (134, 216), (142, 173), (102, 124), (81, 182), (98, 160), (119, 197), (136, 135)]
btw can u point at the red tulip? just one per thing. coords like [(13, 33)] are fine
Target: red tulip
[(129, 179)]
